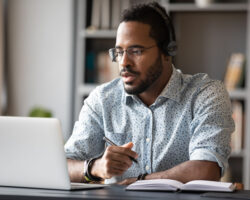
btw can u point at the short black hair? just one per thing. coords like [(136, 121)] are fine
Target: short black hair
[(162, 30)]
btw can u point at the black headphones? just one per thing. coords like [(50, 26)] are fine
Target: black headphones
[(170, 48)]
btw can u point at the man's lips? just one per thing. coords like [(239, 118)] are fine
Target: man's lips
[(128, 77)]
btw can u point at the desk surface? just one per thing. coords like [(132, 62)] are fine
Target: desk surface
[(112, 192)]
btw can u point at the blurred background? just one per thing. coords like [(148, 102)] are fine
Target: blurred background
[(53, 53), (37, 66)]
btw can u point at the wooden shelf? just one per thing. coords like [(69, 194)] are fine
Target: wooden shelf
[(98, 33), (85, 89), (237, 154), (222, 7), (240, 94)]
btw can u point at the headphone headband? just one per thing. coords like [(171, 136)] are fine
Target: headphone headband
[(170, 48)]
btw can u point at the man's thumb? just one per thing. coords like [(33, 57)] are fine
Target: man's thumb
[(128, 145)]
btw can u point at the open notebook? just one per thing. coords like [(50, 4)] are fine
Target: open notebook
[(32, 154), (173, 185)]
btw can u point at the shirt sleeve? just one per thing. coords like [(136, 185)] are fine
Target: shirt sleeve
[(212, 125), (86, 140)]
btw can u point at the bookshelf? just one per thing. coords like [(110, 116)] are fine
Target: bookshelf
[(205, 36)]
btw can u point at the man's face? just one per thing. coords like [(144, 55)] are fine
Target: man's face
[(139, 72)]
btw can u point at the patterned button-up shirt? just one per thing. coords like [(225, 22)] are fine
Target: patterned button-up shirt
[(190, 120)]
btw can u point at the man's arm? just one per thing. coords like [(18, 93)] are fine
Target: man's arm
[(184, 172), (75, 169), (190, 170)]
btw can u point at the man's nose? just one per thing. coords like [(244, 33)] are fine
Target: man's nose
[(125, 60)]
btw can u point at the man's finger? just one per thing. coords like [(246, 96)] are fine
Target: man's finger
[(123, 150), (113, 164), (128, 145)]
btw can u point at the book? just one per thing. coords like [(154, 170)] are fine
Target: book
[(227, 176), (174, 185), (95, 15), (237, 135), (115, 13), (90, 67), (234, 75), (105, 14), (106, 69)]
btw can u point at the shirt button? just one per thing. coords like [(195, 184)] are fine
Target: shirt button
[(147, 167), (148, 140)]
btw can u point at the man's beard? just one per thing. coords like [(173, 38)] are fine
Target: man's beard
[(152, 74)]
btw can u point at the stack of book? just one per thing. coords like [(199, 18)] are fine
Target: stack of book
[(105, 14), (235, 72), (237, 135), (100, 68)]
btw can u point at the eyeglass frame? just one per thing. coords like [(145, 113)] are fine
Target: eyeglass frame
[(132, 53)]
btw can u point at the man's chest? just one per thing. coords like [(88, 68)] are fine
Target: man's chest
[(137, 123)]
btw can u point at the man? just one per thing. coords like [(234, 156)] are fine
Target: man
[(177, 126)]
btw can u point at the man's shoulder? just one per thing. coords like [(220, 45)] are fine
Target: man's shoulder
[(200, 87), (201, 84), (200, 81)]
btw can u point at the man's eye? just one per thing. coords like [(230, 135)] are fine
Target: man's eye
[(135, 51)]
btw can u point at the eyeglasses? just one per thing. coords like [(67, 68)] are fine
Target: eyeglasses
[(133, 53)]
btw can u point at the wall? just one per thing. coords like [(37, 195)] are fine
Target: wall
[(40, 38)]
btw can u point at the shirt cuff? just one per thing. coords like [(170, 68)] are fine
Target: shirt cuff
[(72, 156), (204, 154)]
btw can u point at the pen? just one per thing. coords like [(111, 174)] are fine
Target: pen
[(112, 143)]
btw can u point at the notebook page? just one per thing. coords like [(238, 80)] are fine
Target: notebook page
[(155, 184), (208, 186)]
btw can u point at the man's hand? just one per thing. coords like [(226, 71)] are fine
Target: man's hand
[(114, 162)]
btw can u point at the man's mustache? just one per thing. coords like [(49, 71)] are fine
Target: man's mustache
[(129, 70)]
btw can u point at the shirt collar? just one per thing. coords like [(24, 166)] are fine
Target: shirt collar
[(171, 90), (128, 97), (174, 86)]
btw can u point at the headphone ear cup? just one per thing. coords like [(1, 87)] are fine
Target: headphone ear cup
[(171, 48), (164, 47)]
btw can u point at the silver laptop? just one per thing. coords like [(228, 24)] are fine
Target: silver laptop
[(32, 154)]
